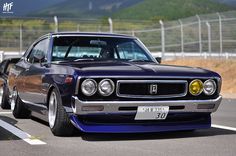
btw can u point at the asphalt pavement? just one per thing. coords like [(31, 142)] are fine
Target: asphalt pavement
[(29, 137)]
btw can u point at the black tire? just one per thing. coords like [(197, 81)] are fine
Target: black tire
[(20, 111), (5, 99), (62, 124)]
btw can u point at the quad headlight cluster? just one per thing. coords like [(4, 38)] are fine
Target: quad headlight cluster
[(196, 87), (105, 87)]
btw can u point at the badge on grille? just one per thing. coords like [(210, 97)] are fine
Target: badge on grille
[(153, 89)]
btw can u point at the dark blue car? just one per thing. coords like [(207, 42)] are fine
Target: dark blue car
[(109, 83)]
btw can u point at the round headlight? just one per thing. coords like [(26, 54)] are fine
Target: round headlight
[(209, 87), (106, 87), (89, 87), (196, 87)]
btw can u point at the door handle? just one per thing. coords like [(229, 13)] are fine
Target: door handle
[(27, 69)]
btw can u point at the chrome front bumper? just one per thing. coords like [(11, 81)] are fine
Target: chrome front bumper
[(113, 107)]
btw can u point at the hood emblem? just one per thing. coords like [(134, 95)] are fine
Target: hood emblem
[(153, 89)]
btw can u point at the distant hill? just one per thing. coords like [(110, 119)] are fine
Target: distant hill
[(170, 9), (86, 8), (227, 2), (123, 9)]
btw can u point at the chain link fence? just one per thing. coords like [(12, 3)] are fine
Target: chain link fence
[(201, 35)]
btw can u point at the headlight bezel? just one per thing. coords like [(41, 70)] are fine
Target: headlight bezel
[(101, 92), (95, 87), (214, 84)]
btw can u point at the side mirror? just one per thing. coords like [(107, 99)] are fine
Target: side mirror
[(39, 56), (158, 59)]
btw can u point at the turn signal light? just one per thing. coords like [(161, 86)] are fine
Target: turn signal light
[(68, 79)]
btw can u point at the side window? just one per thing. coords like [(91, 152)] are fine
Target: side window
[(41, 46), (10, 65)]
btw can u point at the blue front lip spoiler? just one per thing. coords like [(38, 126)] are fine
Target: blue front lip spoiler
[(139, 128)]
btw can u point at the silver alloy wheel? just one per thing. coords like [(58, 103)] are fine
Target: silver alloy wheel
[(1, 94), (52, 110), (13, 99)]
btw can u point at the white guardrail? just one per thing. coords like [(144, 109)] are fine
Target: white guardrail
[(165, 56)]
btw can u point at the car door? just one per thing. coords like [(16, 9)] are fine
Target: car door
[(33, 75)]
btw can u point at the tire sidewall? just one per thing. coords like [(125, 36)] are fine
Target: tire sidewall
[(62, 125), (20, 111), (5, 101), (15, 111), (59, 103)]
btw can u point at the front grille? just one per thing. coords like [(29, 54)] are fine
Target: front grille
[(151, 89)]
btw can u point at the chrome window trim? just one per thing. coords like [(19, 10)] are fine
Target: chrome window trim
[(91, 35), (152, 96)]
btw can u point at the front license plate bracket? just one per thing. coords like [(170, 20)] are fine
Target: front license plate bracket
[(152, 113)]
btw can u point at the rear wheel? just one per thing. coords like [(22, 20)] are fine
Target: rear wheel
[(18, 107), (58, 119)]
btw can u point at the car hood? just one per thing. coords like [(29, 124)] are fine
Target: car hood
[(119, 68)]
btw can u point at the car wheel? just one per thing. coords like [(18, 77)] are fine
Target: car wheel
[(4, 98), (58, 119), (18, 107), (1, 94)]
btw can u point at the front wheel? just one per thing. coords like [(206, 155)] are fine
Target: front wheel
[(58, 119)]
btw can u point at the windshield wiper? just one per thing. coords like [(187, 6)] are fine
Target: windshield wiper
[(84, 59)]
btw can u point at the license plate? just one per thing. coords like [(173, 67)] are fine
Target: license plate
[(152, 113)]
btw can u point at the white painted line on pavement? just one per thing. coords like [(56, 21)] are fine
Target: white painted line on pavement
[(223, 127), (21, 134), (5, 113)]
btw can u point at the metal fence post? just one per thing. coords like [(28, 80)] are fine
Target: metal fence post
[(1, 56), (220, 32), (99, 28), (78, 28), (162, 38), (20, 39), (110, 24), (182, 37), (209, 37), (199, 33), (133, 33), (56, 23)]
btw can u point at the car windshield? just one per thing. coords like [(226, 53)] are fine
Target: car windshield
[(80, 48)]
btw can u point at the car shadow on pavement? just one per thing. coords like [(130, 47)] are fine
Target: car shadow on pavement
[(4, 134), (39, 121), (156, 136)]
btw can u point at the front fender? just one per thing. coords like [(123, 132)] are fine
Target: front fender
[(66, 90)]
